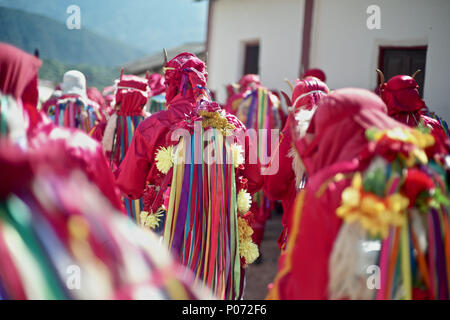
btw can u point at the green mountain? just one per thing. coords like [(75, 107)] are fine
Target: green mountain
[(55, 41), (96, 76), (148, 25)]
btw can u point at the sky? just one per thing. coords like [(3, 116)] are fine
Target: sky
[(147, 25)]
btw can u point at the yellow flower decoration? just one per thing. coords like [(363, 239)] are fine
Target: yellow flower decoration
[(244, 230), (413, 136), (373, 213), (164, 159), (247, 249), (244, 201), (216, 120), (409, 135), (237, 151), (151, 220)]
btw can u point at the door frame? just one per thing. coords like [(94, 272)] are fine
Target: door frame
[(406, 48)]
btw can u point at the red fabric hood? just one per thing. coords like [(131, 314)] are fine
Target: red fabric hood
[(185, 75), (19, 78), (95, 95), (337, 129), (401, 94), (308, 92), (317, 73), (132, 95), (17, 70), (247, 80)]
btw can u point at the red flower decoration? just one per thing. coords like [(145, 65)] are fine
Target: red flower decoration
[(208, 106), (242, 183), (149, 197), (249, 217), (415, 183), (389, 148)]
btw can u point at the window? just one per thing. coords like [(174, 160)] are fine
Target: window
[(404, 60), (251, 58)]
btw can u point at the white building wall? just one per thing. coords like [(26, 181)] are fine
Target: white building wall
[(347, 50), (277, 24)]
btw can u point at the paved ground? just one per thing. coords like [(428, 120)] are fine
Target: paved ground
[(260, 275)]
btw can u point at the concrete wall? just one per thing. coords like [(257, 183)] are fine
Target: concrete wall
[(342, 45), (277, 24), (347, 50)]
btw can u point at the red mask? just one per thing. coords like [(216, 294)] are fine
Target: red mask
[(401, 95), (186, 75)]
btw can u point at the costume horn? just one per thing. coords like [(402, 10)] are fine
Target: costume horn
[(381, 77), (416, 73), (165, 57), (289, 84)]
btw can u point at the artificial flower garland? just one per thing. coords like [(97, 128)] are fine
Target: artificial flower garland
[(378, 201), (247, 249), (237, 154), (150, 219), (244, 201), (413, 140), (375, 214), (164, 159), (216, 120)]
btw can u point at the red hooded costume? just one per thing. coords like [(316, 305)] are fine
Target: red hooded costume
[(404, 104), (365, 174), (199, 186), (258, 108), (247, 82), (99, 128), (305, 96), (131, 96), (60, 239)]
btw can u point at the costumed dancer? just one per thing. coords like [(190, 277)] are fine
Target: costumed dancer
[(74, 109), (96, 96), (258, 108), (372, 222), (60, 239), (22, 124), (404, 104), (54, 223), (98, 129), (131, 97), (107, 103), (194, 163), (108, 95), (291, 172), (237, 92)]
